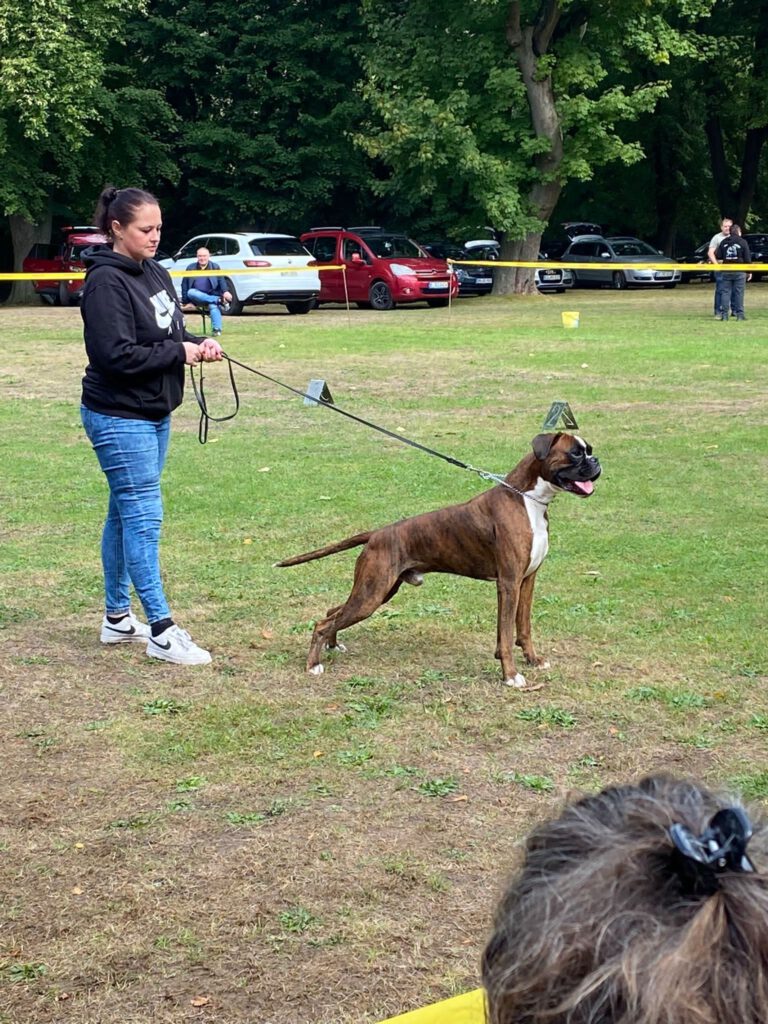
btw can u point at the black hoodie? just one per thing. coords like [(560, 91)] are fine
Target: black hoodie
[(134, 330)]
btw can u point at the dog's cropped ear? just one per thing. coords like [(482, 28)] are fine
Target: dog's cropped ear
[(542, 444)]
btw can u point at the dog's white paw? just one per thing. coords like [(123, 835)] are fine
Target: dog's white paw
[(545, 665), (316, 670), (519, 682), (341, 648)]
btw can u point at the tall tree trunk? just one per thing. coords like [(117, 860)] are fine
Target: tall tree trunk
[(529, 43), (24, 234), (735, 201)]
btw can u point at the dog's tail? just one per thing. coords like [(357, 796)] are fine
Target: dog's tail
[(330, 549)]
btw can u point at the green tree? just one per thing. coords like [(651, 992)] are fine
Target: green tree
[(68, 118), (266, 93), (493, 107)]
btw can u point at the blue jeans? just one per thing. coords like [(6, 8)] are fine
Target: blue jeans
[(718, 275), (733, 285), (132, 454), (212, 301)]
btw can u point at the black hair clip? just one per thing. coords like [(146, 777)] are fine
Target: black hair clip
[(721, 847)]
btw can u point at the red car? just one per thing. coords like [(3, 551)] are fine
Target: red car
[(383, 268), (61, 258)]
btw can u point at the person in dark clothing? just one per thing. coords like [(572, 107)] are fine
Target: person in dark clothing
[(206, 290), (733, 249), (137, 346)]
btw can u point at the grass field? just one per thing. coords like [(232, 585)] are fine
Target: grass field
[(246, 843)]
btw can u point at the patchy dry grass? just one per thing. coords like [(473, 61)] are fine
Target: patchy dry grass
[(245, 843)]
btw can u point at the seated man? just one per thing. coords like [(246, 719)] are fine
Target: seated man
[(205, 290)]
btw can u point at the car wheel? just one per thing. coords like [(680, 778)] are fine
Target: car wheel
[(300, 307), (380, 296), (235, 305), (437, 303), (618, 281), (66, 298), (49, 300)]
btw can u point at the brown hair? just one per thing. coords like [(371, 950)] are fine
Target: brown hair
[(600, 927), (119, 204)]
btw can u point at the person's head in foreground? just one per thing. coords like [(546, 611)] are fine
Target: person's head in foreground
[(640, 905)]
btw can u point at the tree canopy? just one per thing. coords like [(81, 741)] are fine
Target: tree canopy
[(436, 118)]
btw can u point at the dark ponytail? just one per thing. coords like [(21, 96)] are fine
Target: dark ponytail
[(119, 204)]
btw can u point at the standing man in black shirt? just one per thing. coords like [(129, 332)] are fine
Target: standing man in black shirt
[(733, 249)]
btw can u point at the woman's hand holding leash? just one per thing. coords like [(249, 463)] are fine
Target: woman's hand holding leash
[(210, 350)]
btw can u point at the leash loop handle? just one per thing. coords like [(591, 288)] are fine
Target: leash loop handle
[(205, 415)]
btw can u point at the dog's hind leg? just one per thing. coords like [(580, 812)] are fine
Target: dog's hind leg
[(523, 623), (368, 593)]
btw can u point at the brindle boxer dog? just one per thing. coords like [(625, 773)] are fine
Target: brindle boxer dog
[(501, 535)]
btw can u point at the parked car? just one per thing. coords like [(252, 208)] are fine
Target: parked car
[(62, 257), (547, 279), (473, 280), (383, 268), (758, 248), (283, 271), (602, 252), (552, 248), (700, 258)]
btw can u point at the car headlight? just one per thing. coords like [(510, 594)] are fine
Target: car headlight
[(400, 270)]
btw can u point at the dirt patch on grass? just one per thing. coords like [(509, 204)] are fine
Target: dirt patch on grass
[(340, 869)]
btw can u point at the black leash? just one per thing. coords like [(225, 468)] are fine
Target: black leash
[(205, 418)]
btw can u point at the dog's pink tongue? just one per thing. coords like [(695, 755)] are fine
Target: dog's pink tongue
[(585, 486)]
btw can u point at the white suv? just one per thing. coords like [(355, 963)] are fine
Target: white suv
[(282, 269)]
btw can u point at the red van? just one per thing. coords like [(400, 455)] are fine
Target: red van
[(61, 258), (383, 268)]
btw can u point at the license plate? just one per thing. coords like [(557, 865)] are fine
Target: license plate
[(484, 280), (550, 275), (438, 285), (287, 273), (663, 275)]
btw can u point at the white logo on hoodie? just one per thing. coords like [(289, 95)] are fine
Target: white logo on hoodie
[(164, 306)]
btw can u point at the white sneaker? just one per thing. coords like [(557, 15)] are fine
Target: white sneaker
[(176, 645), (127, 631)]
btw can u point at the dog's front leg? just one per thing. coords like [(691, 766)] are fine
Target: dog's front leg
[(523, 623), (508, 595)]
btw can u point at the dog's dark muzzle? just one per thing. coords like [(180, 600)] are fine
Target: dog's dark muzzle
[(579, 478)]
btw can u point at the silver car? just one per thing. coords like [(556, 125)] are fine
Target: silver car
[(603, 252)]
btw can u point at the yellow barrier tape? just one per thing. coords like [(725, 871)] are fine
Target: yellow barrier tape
[(466, 1009), (553, 265), (79, 275), (609, 265)]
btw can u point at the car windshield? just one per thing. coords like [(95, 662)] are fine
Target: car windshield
[(277, 247), (446, 251), (79, 249), (482, 252), (388, 246), (633, 249)]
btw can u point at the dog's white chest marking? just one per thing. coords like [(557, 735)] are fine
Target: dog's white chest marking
[(536, 502)]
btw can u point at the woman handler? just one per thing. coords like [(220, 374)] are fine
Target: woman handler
[(137, 346)]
